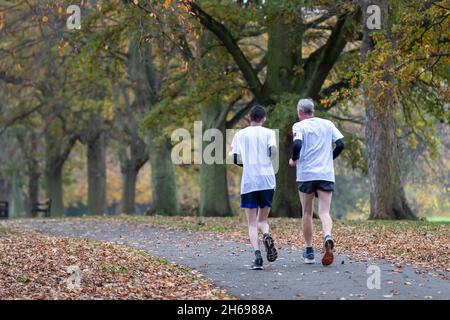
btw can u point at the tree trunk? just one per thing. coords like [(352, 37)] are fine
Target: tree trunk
[(54, 185), (286, 202), (387, 195), (33, 187), (164, 184), (129, 174), (16, 206), (5, 189), (284, 52), (132, 157), (33, 172), (147, 93), (58, 145), (96, 163), (214, 197), (53, 173)]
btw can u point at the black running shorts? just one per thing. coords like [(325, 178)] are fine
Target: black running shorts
[(313, 186)]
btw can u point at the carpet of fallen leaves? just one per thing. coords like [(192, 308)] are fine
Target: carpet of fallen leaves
[(35, 266), (415, 243)]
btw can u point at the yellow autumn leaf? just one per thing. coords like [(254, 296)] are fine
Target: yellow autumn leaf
[(44, 19), (62, 48)]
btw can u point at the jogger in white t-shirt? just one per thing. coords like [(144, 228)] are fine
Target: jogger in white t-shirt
[(313, 156), (253, 148)]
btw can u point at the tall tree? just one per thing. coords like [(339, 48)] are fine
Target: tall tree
[(147, 81), (58, 146), (387, 196), (397, 65), (214, 196), (96, 173), (29, 144), (132, 151)]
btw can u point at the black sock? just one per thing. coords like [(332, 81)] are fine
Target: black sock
[(257, 253)]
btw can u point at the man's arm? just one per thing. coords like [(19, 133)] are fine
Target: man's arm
[(296, 148), (296, 145), (338, 149), (235, 151), (236, 160)]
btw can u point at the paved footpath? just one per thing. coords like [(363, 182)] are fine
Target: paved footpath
[(227, 264)]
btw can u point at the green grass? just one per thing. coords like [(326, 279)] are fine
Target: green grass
[(439, 219), (184, 270), (165, 262), (142, 253)]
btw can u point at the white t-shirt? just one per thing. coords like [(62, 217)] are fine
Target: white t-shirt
[(316, 155), (252, 144)]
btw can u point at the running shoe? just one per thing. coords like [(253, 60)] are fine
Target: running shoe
[(328, 247), (272, 253), (308, 255), (258, 263)]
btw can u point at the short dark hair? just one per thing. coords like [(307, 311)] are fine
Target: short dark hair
[(257, 114)]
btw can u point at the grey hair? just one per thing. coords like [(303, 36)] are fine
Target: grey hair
[(306, 106)]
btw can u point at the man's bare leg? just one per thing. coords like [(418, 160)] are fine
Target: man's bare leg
[(324, 211), (327, 224), (252, 220), (307, 200), (263, 220), (263, 226)]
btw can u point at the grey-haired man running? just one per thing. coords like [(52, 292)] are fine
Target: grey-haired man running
[(313, 155)]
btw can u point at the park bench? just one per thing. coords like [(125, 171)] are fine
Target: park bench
[(4, 209), (44, 207)]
